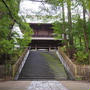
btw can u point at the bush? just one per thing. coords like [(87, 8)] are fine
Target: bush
[(81, 57), (63, 48)]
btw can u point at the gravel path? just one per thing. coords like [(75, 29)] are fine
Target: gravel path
[(46, 85)]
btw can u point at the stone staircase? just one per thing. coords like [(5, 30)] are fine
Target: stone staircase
[(36, 67)]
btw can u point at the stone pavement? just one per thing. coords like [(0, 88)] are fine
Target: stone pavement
[(76, 85), (44, 85), (14, 85)]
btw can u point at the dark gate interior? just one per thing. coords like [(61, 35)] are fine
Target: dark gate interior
[(45, 44)]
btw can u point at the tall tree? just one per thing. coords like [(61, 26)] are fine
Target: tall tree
[(64, 24), (88, 6), (71, 44)]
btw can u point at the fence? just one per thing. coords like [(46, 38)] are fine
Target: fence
[(2, 71), (14, 68)]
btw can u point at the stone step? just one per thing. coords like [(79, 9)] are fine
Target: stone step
[(44, 77)]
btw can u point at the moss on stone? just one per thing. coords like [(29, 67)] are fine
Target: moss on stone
[(55, 64)]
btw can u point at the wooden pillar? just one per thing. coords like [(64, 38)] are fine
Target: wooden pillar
[(55, 48), (36, 47), (49, 47)]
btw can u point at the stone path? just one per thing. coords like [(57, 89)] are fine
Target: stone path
[(76, 85), (14, 85), (46, 85)]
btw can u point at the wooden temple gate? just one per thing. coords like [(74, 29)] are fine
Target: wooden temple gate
[(43, 37)]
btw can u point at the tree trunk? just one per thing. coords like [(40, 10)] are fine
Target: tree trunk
[(71, 46), (85, 29), (80, 40), (89, 37), (64, 32)]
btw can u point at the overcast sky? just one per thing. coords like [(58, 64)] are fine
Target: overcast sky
[(28, 8)]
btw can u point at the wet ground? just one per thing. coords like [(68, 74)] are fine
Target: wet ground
[(43, 65)]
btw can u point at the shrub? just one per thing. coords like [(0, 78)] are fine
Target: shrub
[(81, 57)]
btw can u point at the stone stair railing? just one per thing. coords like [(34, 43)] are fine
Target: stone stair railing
[(76, 71)]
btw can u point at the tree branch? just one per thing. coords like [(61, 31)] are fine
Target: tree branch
[(10, 13), (8, 9), (37, 0)]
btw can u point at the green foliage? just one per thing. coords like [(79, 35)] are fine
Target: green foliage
[(54, 2), (79, 33), (89, 32), (15, 55), (57, 26), (6, 46), (63, 48), (8, 17), (81, 57), (58, 29)]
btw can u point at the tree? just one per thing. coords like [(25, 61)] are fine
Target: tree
[(78, 30), (8, 17), (88, 6)]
